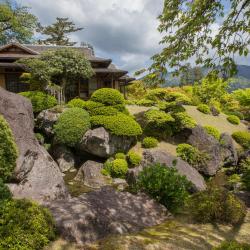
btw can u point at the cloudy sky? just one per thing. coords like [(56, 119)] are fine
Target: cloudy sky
[(123, 30)]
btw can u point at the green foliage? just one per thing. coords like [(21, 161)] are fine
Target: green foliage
[(134, 158), (216, 205), (8, 150), (56, 33), (40, 138), (16, 22), (203, 108), (90, 105), (40, 101), (243, 138), (235, 113), (71, 126), (149, 142), (105, 111), (213, 131), (245, 166), (5, 193), (157, 94), (165, 185), (215, 105), (76, 103), (242, 96), (108, 96), (136, 90), (120, 156), (117, 168), (191, 155), (25, 225), (120, 124), (171, 107), (145, 103), (182, 121), (233, 119), (232, 245)]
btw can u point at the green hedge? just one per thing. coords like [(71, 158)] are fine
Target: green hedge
[(203, 108), (25, 225), (149, 142), (8, 150), (71, 126), (76, 103), (134, 158), (108, 96), (233, 119), (243, 138), (213, 131), (40, 101), (165, 185), (106, 111), (120, 124)]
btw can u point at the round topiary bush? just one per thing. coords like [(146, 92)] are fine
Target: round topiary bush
[(213, 131), (243, 138), (40, 100), (216, 205), (106, 111), (5, 193), (145, 103), (76, 103), (182, 121), (232, 245), (165, 185), (71, 126), (149, 142), (120, 124), (233, 119), (8, 150), (90, 105), (108, 96), (117, 168), (134, 158), (120, 156), (25, 225), (203, 108)]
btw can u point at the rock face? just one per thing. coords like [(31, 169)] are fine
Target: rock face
[(64, 157), (36, 173), (95, 215), (219, 154), (101, 143), (183, 168), (91, 176), (46, 120)]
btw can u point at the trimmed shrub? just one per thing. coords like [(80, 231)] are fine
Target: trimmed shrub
[(217, 205), (156, 94), (182, 121), (120, 156), (71, 126), (232, 245), (191, 155), (203, 108), (108, 96), (90, 105), (5, 193), (8, 150), (165, 185), (172, 107), (245, 166), (106, 111), (76, 103), (243, 138), (233, 119), (120, 124), (145, 102), (25, 225), (40, 100), (149, 142), (213, 131), (235, 113), (117, 168), (134, 159)]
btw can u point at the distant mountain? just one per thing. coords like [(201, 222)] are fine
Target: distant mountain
[(241, 80)]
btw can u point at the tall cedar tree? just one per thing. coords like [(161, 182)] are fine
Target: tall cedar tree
[(58, 31), (16, 23), (191, 30)]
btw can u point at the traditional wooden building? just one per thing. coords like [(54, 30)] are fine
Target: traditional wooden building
[(106, 74)]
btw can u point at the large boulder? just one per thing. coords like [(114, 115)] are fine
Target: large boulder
[(91, 176), (36, 176), (64, 157), (46, 120), (101, 143), (152, 156), (97, 214)]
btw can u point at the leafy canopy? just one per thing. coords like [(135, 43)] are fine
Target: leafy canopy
[(188, 28)]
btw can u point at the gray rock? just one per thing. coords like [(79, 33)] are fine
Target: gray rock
[(120, 184), (37, 175), (91, 176), (64, 157), (97, 214), (46, 120), (157, 156), (101, 143)]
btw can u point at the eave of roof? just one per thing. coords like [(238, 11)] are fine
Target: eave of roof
[(25, 48)]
